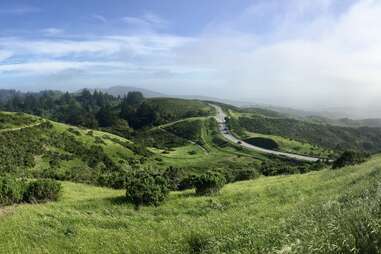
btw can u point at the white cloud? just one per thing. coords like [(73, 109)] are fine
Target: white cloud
[(112, 54), (307, 55), (111, 46), (328, 59), (53, 67)]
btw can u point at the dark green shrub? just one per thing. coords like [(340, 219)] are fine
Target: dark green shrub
[(146, 188), (116, 180), (198, 243), (42, 190), (245, 174), (349, 158), (186, 183), (173, 176), (209, 183), (11, 190)]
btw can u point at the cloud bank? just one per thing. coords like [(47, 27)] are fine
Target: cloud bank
[(318, 53)]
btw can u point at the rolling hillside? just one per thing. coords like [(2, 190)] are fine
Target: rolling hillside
[(327, 137), (36, 147), (55, 150), (267, 215), (264, 215)]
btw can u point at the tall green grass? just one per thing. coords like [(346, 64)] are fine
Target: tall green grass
[(319, 212)]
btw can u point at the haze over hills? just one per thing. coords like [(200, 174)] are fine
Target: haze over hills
[(111, 144), (190, 127), (353, 117), (124, 90)]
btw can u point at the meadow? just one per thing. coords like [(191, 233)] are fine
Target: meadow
[(280, 214)]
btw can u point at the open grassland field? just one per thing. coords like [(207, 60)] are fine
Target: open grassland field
[(330, 211)]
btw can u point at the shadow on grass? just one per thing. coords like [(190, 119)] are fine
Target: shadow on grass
[(120, 200)]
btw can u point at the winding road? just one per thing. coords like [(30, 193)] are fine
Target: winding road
[(226, 133)]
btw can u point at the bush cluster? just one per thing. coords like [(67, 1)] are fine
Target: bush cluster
[(209, 183), (13, 191), (349, 158), (42, 190), (146, 188), (277, 166)]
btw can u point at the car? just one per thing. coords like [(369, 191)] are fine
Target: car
[(239, 142)]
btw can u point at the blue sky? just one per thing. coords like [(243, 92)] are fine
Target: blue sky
[(104, 17), (289, 52)]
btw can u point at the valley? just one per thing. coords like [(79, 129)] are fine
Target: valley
[(220, 117), (190, 127), (267, 199)]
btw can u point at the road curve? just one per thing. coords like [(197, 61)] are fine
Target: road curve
[(226, 133)]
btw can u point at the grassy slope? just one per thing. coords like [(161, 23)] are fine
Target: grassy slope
[(172, 109), (118, 153), (207, 155), (294, 146), (285, 144), (190, 156), (248, 217), (10, 120)]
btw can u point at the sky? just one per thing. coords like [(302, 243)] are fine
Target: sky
[(296, 53)]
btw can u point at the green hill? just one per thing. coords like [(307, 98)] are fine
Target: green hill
[(330, 211), (40, 148), (9, 121), (172, 109), (54, 150), (326, 136)]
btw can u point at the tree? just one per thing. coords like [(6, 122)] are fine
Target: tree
[(106, 117), (145, 115), (134, 98), (349, 158), (129, 104)]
